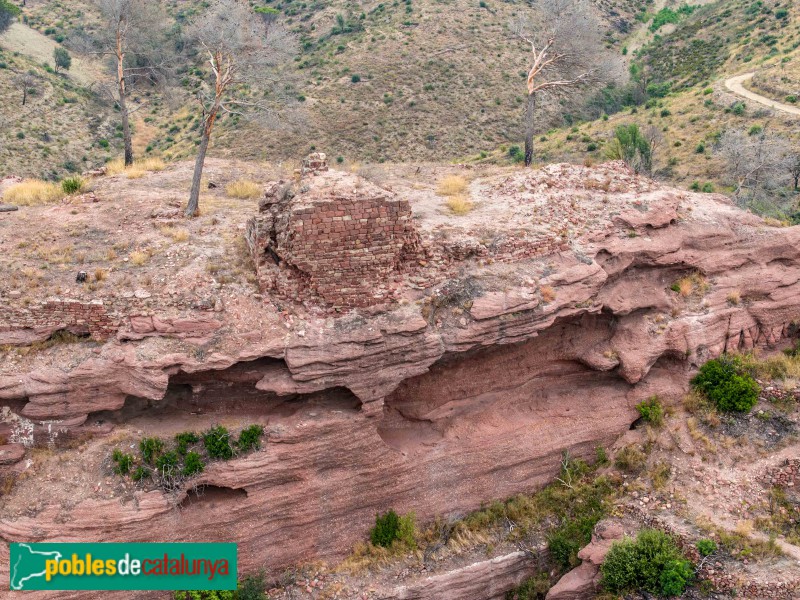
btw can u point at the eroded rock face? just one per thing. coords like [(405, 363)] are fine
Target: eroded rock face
[(461, 393)]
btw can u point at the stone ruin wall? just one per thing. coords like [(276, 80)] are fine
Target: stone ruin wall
[(55, 313), (344, 249)]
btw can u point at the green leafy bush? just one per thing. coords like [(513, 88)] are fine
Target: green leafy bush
[(516, 154), (8, 12), (633, 147), (706, 547), (150, 449), (72, 185), (385, 530), (652, 563), (218, 443), (534, 588), (724, 381), (192, 464), (167, 462), (651, 411), (124, 462), (140, 473), (184, 440), (390, 527), (250, 438)]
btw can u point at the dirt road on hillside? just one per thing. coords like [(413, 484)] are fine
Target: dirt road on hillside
[(734, 84)]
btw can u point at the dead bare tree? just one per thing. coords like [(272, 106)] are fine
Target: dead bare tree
[(794, 171), (25, 81), (239, 52), (563, 36), (758, 165), (135, 37)]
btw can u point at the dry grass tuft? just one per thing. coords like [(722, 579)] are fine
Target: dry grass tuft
[(452, 185), (243, 189), (459, 205), (100, 275), (33, 191), (695, 283), (734, 297), (548, 293), (138, 258), (177, 235)]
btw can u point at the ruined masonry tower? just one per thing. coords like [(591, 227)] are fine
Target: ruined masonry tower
[(331, 238)]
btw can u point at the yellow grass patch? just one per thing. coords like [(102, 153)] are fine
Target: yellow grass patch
[(244, 189), (548, 293), (459, 205), (452, 185), (137, 170), (33, 191), (177, 235)]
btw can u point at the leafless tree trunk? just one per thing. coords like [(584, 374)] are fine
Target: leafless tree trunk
[(239, 50), (530, 128), (794, 171), (134, 36), (561, 37)]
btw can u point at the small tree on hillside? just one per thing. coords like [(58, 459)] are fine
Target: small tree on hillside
[(61, 59), (564, 39), (238, 52), (8, 13), (25, 81), (135, 36)]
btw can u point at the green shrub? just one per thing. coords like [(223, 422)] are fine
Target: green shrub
[(124, 462), (167, 462), (632, 146), (738, 108), (755, 130), (706, 547), (218, 443), (724, 381), (651, 411), (250, 438), (652, 563), (140, 473), (677, 574), (103, 143), (700, 148), (591, 147), (385, 530), (707, 188), (695, 187), (792, 99), (184, 439), (391, 527), (20, 135), (150, 449), (72, 185), (355, 78), (535, 588), (665, 112), (192, 464), (516, 154)]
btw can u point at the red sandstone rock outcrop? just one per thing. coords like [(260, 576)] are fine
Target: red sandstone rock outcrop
[(543, 337)]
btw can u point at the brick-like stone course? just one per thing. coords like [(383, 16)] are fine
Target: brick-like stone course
[(341, 242), (61, 313)]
